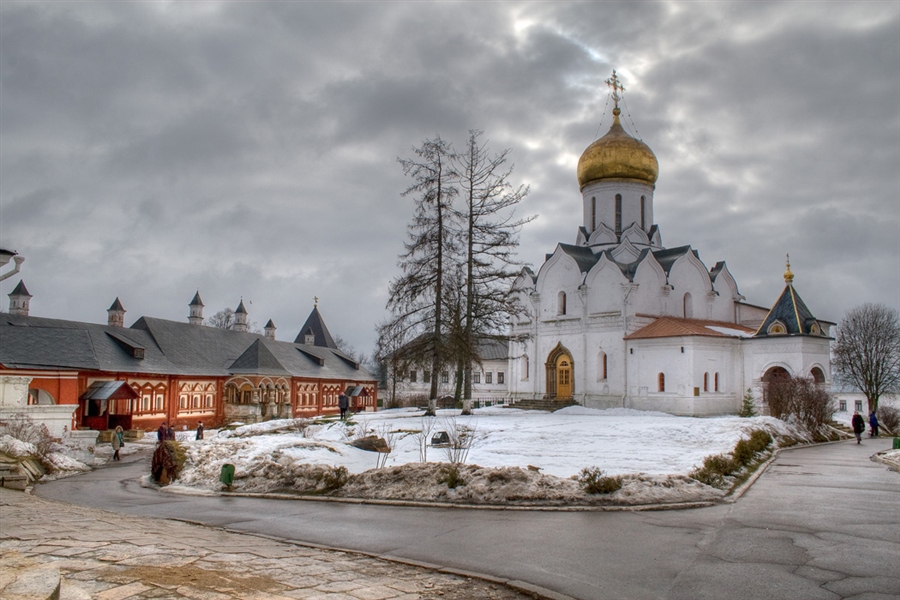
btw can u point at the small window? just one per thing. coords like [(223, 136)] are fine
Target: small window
[(526, 367), (843, 406), (412, 376), (858, 405), (618, 214), (643, 213), (476, 377), (561, 303), (426, 376), (601, 366), (445, 377), (489, 377), (716, 382), (661, 382), (593, 213), (500, 378), (706, 382)]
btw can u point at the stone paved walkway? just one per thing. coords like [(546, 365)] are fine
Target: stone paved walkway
[(109, 556)]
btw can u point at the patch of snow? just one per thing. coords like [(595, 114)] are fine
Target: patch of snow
[(732, 332), (16, 447)]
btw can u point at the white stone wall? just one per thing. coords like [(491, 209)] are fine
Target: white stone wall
[(605, 192)]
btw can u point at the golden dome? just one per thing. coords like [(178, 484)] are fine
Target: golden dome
[(617, 155)]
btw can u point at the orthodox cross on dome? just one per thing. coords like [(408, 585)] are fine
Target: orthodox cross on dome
[(613, 83), (315, 302), (788, 275)]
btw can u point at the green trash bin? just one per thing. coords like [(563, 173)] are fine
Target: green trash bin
[(896, 443), (227, 474)]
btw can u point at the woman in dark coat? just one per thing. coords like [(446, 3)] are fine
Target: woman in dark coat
[(859, 425), (873, 423)]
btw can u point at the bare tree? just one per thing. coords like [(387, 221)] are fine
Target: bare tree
[(490, 236), (224, 319), (867, 351), (417, 297), (348, 349)]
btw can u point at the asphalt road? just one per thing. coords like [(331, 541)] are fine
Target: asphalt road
[(822, 522)]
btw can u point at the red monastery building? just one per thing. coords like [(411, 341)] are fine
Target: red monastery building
[(181, 373)]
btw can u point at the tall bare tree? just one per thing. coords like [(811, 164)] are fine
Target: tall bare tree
[(490, 236), (867, 351), (417, 297)]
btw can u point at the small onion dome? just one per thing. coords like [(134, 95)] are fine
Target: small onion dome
[(617, 155)]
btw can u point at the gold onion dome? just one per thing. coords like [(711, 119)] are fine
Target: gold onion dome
[(617, 155)]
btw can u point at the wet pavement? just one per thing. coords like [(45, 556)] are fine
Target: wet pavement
[(110, 556)]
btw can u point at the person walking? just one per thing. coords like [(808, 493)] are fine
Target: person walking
[(161, 432), (873, 423), (199, 431), (859, 425), (343, 404), (118, 440), (170, 433)]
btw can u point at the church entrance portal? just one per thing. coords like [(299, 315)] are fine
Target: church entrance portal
[(560, 374)]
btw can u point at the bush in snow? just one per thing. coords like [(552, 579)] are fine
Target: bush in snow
[(23, 428), (451, 476), (715, 469), (889, 418), (333, 479), (593, 481), (745, 450)]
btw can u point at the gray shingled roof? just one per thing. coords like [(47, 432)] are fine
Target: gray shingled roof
[(170, 347), (316, 325)]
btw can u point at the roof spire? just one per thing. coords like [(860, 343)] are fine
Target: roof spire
[(315, 302), (616, 87), (788, 275)]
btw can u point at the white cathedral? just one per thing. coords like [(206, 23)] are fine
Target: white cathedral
[(619, 320)]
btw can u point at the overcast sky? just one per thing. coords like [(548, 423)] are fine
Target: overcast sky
[(152, 149)]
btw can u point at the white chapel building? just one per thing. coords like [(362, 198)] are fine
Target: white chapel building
[(619, 320)]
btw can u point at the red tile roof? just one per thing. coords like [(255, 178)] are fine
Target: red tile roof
[(674, 327)]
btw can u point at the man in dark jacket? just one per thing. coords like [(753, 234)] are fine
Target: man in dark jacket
[(161, 432), (343, 404), (859, 425), (873, 423)]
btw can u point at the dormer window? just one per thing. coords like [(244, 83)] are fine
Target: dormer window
[(777, 328)]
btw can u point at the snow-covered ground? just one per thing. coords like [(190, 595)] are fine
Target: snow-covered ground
[(277, 455)]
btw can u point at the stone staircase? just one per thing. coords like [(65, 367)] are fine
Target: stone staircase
[(546, 404), (841, 428)]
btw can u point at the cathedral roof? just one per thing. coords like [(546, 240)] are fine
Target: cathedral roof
[(116, 305), (664, 327), (617, 155), (197, 301), (789, 316)]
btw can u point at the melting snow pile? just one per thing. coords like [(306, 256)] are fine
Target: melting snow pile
[(517, 457)]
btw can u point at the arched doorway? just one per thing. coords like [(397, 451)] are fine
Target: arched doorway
[(818, 375), (560, 370)]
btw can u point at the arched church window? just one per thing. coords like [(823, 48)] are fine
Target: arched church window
[(561, 304), (643, 213), (688, 306), (601, 366), (706, 382), (618, 214), (776, 328), (716, 382), (661, 382), (593, 213), (526, 368)]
